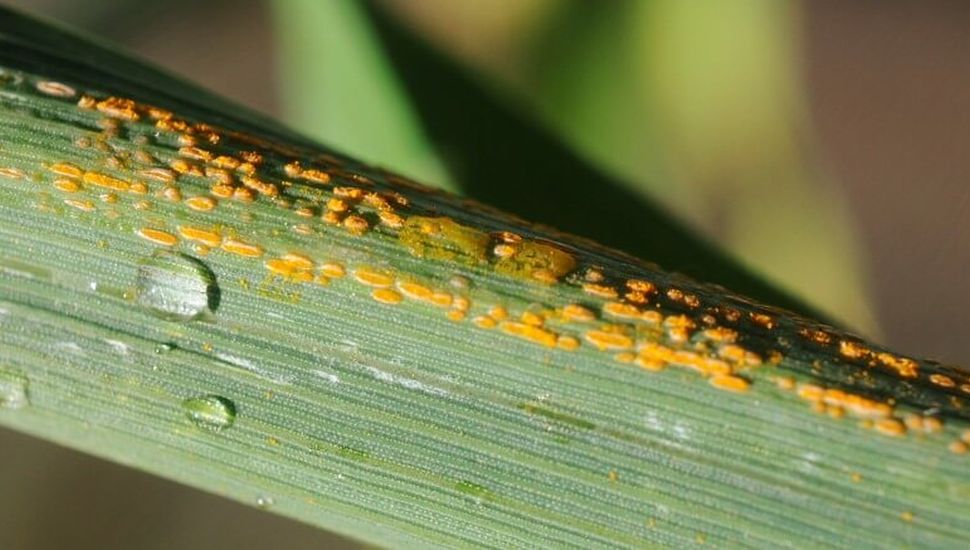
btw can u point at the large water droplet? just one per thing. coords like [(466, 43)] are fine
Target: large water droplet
[(13, 389), (176, 287), (212, 412)]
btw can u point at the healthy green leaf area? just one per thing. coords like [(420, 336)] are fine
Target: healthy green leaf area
[(272, 321)]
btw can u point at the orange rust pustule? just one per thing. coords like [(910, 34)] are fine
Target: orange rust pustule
[(857, 367)]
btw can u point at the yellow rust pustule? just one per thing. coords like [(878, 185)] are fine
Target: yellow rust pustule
[(443, 239), (106, 181), (386, 296), (157, 236), (370, 276), (536, 261), (242, 248), (55, 89), (204, 236), (531, 333), (66, 169), (80, 204), (11, 173)]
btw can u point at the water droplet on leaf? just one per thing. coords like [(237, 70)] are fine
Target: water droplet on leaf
[(176, 287), (212, 412), (264, 501), (163, 348), (13, 389)]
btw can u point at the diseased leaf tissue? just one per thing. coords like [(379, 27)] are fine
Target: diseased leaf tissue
[(188, 203)]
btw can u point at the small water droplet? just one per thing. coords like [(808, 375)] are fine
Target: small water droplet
[(164, 348), (118, 346), (212, 412), (264, 501), (13, 389), (176, 287), (460, 282)]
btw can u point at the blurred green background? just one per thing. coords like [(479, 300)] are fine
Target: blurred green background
[(822, 143)]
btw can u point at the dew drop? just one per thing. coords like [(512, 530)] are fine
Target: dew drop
[(13, 389), (176, 287), (163, 348), (264, 501), (460, 282), (212, 412), (476, 491)]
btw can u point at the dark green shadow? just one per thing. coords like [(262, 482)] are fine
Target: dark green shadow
[(501, 158)]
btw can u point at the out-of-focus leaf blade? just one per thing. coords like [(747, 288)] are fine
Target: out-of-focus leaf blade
[(502, 158), (338, 87), (726, 84)]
